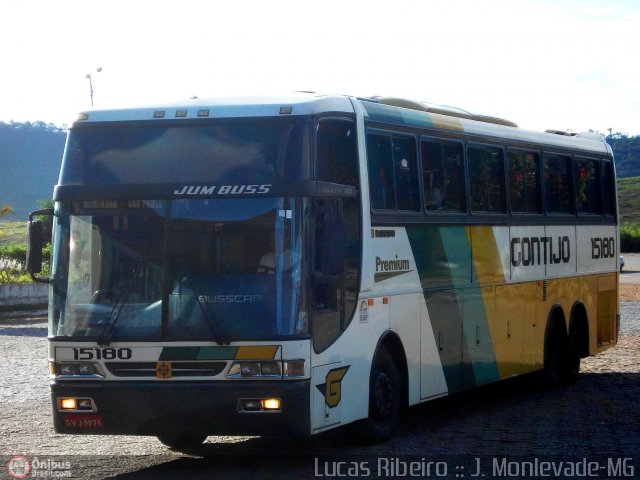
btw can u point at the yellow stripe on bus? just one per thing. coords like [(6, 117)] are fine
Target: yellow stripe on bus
[(260, 352), (446, 123)]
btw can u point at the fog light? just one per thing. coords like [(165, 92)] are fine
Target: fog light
[(74, 404), (86, 369), (68, 369), (252, 406), (85, 404), (271, 404), (67, 403)]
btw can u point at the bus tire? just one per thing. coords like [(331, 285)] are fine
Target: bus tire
[(384, 401), (572, 357), (555, 358), (178, 440)]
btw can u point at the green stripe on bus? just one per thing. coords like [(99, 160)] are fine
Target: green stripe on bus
[(217, 353), (197, 353), (455, 305)]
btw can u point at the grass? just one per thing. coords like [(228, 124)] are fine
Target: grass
[(629, 200), (13, 233)]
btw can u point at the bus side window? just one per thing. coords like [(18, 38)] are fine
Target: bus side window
[(609, 188), (393, 178), (380, 162), (443, 176), (405, 175), (524, 184), (557, 185), (337, 152), (486, 168), (588, 186)]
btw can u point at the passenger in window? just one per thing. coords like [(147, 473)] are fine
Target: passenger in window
[(434, 194), (382, 195), (268, 261), (435, 199)]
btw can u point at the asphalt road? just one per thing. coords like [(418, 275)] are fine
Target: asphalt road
[(630, 274)]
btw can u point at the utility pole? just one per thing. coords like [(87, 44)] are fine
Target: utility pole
[(88, 75)]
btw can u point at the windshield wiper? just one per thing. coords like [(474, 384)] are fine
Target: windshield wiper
[(109, 326), (217, 332), (136, 274)]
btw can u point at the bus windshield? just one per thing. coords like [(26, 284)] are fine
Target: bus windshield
[(178, 270), (248, 151)]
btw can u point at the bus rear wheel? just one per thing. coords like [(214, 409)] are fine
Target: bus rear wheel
[(572, 358), (384, 401), (175, 440), (562, 358)]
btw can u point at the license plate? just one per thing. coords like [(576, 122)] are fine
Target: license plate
[(83, 421)]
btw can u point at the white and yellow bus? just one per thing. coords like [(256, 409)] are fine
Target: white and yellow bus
[(285, 266)]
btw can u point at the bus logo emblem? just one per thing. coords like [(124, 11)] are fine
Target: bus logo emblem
[(163, 369), (332, 388)]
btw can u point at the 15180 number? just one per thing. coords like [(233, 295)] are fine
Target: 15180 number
[(603, 247), (102, 353)]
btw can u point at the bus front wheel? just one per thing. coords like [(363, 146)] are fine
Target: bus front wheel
[(174, 440), (384, 400)]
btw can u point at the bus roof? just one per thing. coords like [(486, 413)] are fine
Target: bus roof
[(388, 110), (297, 103), (449, 119)]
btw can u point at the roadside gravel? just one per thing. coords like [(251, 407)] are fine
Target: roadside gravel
[(595, 416)]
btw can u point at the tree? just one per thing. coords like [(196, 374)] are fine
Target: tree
[(5, 210)]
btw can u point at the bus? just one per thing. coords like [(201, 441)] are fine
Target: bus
[(289, 265)]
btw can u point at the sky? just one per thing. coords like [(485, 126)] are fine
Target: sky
[(561, 64)]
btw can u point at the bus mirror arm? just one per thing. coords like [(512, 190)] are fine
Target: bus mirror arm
[(35, 244)]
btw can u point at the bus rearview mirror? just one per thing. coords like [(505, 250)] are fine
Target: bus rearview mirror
[(35, 244)]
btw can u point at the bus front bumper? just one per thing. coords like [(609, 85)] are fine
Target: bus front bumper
[(211, 408)]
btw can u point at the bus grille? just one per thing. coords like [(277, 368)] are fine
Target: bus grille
[(178, 369)]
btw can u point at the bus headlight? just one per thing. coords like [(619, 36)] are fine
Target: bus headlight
[(80, 370), (271, 369), (268, 369), (294, 368), (250, 369)]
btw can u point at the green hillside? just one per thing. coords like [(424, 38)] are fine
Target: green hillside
[(626, 151), (30, 155), (629, 199)]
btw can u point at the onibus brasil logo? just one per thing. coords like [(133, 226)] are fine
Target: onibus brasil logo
[(20, 466)]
